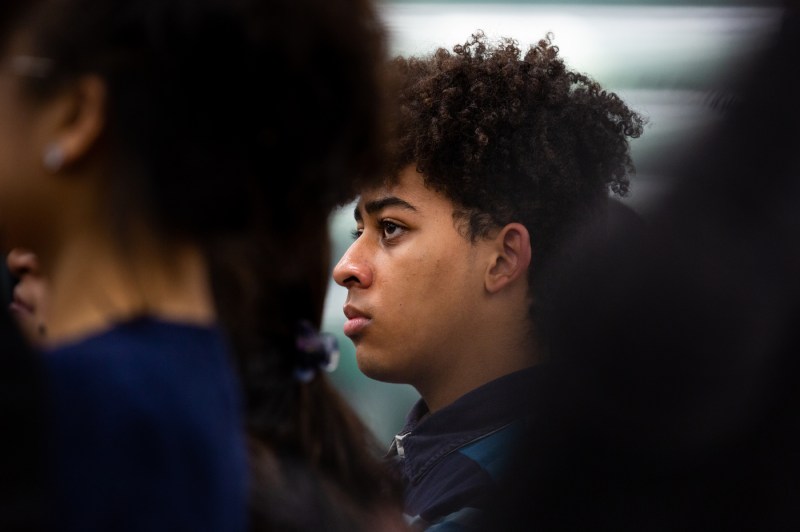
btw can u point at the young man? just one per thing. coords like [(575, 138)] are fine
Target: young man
[(498, 156)]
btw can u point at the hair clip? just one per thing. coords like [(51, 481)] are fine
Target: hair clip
[(316, 351)]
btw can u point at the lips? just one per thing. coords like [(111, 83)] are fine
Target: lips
[(19, 309), (356, 322), (19, 305)]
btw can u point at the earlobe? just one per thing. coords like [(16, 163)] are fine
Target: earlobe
[(511, 257), (80, 122)]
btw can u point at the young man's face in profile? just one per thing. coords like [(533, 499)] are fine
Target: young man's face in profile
[(412, 278)]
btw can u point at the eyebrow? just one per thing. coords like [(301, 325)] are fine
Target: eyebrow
[(371, 207)]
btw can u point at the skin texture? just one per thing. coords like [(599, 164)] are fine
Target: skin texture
[(421, 294)]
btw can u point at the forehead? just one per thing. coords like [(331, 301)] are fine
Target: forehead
[(408, 193)]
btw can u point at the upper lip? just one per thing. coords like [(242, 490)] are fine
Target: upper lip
[(352, 312)]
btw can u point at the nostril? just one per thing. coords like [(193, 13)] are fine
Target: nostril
[(18, 270), (20, 262), (350, 280)]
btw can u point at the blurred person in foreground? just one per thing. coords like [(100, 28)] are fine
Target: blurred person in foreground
[(314, 464), (138, 141), (671, 401), (499, 154)]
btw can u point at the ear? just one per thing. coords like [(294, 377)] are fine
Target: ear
[(78, 118), (511, 257)]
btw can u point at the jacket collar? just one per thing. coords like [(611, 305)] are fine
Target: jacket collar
[(427, 438)]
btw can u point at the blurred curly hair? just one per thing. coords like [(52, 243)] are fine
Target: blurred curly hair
[(512, 138)]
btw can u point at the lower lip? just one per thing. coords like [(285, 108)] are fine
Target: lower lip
[(355, 326), (18, 308)]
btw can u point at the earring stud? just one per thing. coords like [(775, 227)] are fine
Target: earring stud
[(53, 158)]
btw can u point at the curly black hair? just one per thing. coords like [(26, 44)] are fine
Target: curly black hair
[(512, 138)]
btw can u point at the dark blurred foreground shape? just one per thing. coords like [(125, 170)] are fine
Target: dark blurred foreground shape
[(20, 419), (168, 150), (672, 402)]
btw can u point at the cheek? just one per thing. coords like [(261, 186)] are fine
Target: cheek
[(22, 221), (39, 294), (16, 182), (15, 135), (29, 202), (432, 291)]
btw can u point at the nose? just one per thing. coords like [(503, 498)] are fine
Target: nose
[(22, 262), (352, 270)]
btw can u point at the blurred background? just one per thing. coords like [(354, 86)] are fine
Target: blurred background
[(673, 61)]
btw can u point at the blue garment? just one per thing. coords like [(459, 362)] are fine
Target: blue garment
[(451, 461), (146, 431)]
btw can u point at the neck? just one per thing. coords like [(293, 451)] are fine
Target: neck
[(499, 343), (95, 282)]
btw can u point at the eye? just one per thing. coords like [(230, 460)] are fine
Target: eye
[(391, 230), (355, 233)]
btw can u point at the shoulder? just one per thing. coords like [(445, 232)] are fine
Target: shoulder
[(144, 376), (462, 483), (135, 417), (143, 360)]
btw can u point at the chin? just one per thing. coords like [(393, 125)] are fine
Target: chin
[(377, 370)]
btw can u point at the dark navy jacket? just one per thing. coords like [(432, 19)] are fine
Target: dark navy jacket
[(450, 461)]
